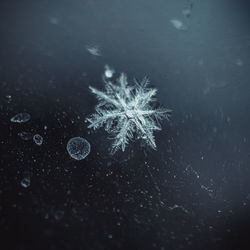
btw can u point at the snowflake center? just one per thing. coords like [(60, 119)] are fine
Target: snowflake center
[(130, 113)]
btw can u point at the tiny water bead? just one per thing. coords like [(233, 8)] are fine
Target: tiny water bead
[(20, 118), (38, 139), (78, 148)]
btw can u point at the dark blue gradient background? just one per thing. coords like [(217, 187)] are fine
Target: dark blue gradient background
[(192, 193)]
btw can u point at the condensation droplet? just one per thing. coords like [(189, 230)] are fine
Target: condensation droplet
[(78, 148)]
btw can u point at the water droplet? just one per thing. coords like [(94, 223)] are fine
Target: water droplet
[(25, 135), (20, 118), (38, 139), (78, 148)]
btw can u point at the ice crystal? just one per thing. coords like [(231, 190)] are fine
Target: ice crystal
[(126, 112)]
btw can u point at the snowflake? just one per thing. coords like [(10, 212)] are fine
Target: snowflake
[(126, 113)]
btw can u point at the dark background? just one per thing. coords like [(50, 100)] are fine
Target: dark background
[(192, 193)]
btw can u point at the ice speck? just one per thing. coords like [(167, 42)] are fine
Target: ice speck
[(25, 182), (20, 118), (9, 98), (178, 24), (38, 139), (78, 148), (26, 136)]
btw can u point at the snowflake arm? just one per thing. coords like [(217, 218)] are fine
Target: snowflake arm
[(102, 96)]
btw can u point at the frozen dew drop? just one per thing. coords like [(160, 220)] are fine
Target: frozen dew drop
[(9, 98), (78, 148), (38, 139), (25, 182), (20, 118)]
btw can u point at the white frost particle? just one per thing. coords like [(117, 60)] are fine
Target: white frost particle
[(125, 112), (93, 50), (25, 182), (178, 24), (26, 136), (78, 148), (20, 118), (108, 71), (38, 139)]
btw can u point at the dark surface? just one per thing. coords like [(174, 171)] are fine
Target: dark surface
[(192, 193)]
